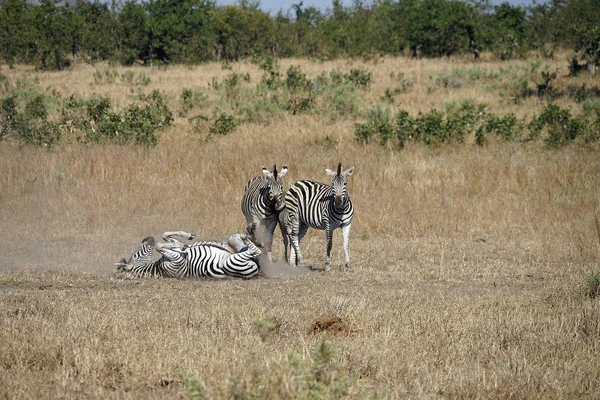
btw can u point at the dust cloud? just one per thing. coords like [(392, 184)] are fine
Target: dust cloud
[(280, 268)]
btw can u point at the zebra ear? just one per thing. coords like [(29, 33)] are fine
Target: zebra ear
[(330, 172), (284, 171), (349, 171), (266, 172)]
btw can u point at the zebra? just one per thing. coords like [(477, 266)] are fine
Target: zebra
[(262, 201), (236, 258), (317, 205)]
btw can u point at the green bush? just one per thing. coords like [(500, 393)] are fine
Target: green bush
[(562, 128), (30, 126), (296, 80), (223, 125), (191, 99), (507, 127), (319, 377), (359, 77)]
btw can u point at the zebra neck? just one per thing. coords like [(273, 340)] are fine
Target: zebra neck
[(342, 207)]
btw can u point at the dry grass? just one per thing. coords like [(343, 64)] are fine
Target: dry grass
[(470, 262)]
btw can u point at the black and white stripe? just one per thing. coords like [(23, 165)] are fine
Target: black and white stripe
[(236, 258), (320, 206), (262, 202)]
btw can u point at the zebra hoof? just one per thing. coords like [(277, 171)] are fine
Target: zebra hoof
[(192, 236)]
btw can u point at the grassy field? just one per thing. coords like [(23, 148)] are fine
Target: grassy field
[(471, 263)]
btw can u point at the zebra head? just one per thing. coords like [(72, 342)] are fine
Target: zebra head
[(339, 180), (141, 257), (275, 186)]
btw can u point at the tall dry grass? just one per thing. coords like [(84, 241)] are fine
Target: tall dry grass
[(470, 262)]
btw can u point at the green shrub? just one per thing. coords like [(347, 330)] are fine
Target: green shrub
[(10, 116), (319, 377), (298, 105), (507, 127), (341, 100), (359, 77), (429, 128), (223, 125), (296, 80), (98, 107), (191, 99), (561, 126), (30, 126)]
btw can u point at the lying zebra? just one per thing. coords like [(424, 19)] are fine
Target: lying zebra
[(236, 258)]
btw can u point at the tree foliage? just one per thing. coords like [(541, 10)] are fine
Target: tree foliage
[(52, 33)]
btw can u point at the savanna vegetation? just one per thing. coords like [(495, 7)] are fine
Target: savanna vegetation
[(476, 238)]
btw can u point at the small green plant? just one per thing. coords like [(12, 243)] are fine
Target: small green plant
[(4, 83), (143, 79), (593, 285), (195, 388), (191, 99), (108, 76), (359, 77), (580, 94), (127, 76), (389, 94), (266, 326)]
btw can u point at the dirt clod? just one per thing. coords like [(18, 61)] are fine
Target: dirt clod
[(332, 324)]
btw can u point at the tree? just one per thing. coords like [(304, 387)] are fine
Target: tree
[(511, 29), (133, 33), (17, 31), (180, 30), (581, 19)]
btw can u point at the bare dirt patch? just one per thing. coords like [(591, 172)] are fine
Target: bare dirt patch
[(331, 324)]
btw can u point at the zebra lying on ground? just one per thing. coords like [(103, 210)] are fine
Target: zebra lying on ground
[(236, 258), (320, 206), (262, 202)]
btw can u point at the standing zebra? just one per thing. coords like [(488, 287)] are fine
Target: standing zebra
[(320, 206), (237, 258), (263, 201)]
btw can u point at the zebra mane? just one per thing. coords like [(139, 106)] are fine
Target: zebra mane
[(339, 171), (275, 171)]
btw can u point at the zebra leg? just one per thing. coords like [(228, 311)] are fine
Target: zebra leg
[(294, 242), (236, 242), (286, 241), (169, 237), (269, 238), (329, 240), (284, 225), (174, 261), (346, 235), (299, 260)]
